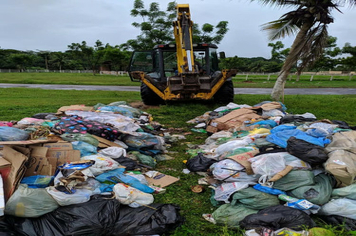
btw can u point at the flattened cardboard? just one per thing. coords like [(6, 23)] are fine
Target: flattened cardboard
[(59, 146), (104, 143), (161, 180), (17, 160), (63, 109), (25, 142)]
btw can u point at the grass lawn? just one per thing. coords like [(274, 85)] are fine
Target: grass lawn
[(18, 103), (252, 81)]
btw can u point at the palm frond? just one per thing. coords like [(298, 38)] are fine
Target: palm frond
[(279, 3), (316, 41), (280, 28)]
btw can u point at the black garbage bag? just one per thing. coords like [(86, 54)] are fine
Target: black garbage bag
[(127, 162), (295, 118), (308, 152), (277, 217), (100, 217), (339, 221), (199, 163)]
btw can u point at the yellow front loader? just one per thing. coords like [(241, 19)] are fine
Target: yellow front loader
[(181, 71)]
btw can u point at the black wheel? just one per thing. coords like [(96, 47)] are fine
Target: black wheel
[(225, 94), (149, 97)]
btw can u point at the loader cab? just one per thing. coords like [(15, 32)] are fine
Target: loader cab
[(161, 62)]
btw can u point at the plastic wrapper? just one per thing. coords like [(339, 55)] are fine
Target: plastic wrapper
[(225, 190), (130, 196), (141, 140), (318, 193), (12, 134), (341, 207), (102, 164), (30, 202), (86, 149), (277, 217), (308, 152), (254, 199), (231, 215)]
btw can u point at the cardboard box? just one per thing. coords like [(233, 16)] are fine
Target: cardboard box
[(17, 170), (60, 153), (233, 119), (161, 180), (38, 163), (104, 143)]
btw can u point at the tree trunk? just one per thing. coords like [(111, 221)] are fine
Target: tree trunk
[(291, 59)]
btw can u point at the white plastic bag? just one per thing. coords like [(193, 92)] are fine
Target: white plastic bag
[(225, 190), (63, 199), (102, 164), (30, 202), (231, 171), (267, 165), (113, 152), (231, 145), (341, 207), (133, 197)]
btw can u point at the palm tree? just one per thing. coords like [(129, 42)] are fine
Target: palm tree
[(309, 20)]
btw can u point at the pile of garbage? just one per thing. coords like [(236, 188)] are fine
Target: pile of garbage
[(85, 171), (274, 173)]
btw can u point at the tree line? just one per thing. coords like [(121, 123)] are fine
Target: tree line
[(156, 28)]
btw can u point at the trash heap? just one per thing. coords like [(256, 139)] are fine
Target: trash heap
[(85, 171), (274, 173)]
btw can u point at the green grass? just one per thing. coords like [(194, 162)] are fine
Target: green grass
[(18, 103), (253, 81)]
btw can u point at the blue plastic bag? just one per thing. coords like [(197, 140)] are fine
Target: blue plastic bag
[(12, 134), (37, 181), (280, 138), (85, 148), (118, 176), (269, 190)]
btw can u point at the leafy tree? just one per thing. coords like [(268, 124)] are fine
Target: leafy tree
[(21, 60), (45, 56), (119, 59), (327, 61), (309, 20), (58, 59), (91, 57), (349, 63), (156, 27)]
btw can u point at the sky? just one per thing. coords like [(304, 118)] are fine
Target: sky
[(52, 25)]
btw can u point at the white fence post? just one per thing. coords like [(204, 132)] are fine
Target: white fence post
[(311, 78), (331, 78)]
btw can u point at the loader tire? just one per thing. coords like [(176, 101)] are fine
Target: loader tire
[(225, 94), (149, 97)]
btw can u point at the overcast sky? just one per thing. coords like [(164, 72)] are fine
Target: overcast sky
[(53, 24)]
